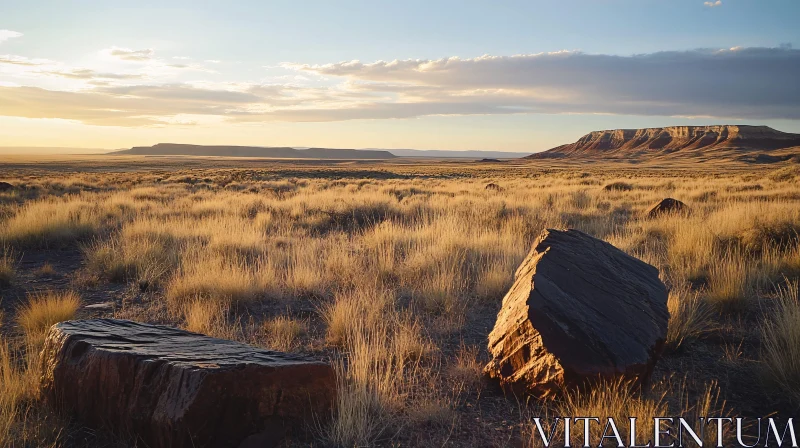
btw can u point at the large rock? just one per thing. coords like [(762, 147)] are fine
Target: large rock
[(172, 388), (667, 206), (5, 186), (579, 309)]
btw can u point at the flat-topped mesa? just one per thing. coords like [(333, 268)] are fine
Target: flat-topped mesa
[(177, 149), (623, 142)]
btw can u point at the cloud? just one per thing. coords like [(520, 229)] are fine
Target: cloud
[(11, 59), (713, 4), (88, 74), (126, 54), (735, 83), (8, 34), (755, 83)]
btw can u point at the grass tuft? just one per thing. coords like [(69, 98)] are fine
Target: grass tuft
[(42, 310), (780, 335)]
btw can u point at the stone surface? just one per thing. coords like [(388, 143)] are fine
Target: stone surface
[(579, 309), (493, 187), (172, 388), (5, 186), (667, 205)]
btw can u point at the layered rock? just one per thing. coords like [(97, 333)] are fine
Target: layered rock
[(172, 388), (579, 309), (668, 140), (666, 206)]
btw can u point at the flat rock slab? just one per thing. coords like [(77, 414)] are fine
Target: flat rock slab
[(579, 309), (173, 388), (667, 206)]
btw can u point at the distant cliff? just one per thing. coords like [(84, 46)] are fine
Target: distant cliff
[(679, 140), (174, 149)]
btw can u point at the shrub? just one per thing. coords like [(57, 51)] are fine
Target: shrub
[(689, 317), (42, 310), (8, 266), (283, 332), (780, 333), (618, 186)]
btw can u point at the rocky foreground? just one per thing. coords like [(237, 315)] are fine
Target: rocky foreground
[(173, 388), (579, 309), (674, 140)]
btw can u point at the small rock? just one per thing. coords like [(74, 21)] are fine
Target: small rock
[(579, 309), (100, 306), (5, 186), (494, 187), (667, 206), (172, 388)]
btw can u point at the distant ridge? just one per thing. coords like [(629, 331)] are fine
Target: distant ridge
[(674, 141), (451, 154), (175, 149)]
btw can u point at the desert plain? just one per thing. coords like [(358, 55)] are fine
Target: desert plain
[(393, 271)]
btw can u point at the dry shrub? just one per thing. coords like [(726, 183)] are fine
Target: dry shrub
[(439, 289), (689, 317), (731, 283), (381, 373), (618, 186), (214, 277), (23, 420), (617, 399), (42, 310), (785, 174), (780, 334), (494, 281), (211, 318), (12, 391), (369, 306), (283, 333), (372, 388), (620, 400), (144, 260), (466, 370), (46, 270), (8, 266), (48, 222), (707, 404)]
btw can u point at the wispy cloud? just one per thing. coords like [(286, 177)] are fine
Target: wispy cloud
[(713, 4), (126, 54), (11, 59), (8, 34), (88, 74)]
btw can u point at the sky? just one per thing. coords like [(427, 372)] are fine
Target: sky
[(508, 75)]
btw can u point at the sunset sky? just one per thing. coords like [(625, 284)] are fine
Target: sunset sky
[(514, 76)]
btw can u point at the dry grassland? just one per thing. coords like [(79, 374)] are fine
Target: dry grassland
[(395, 274)]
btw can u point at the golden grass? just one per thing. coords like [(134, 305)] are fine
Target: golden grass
[(210, 317), (780, 334), (399, 262), (49, 222), (372, 387), (689, 317), (12, 390), (282, 333), (42, 310), (617, 399), (8, 266)]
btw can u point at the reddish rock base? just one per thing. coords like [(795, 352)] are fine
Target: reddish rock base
[(171, 388)]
